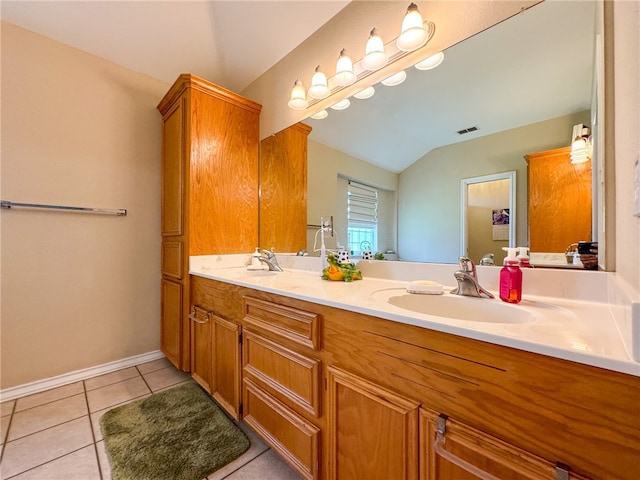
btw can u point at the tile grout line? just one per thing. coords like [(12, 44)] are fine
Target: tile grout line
[(6, 438), (245, 464), (48, 461), (145, 380), (42, 404), (93, 435)]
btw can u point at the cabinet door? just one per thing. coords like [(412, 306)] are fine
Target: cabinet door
[(373, 432), (201, 347), (450, 450), (226, 366), (171, 321), (173, 170)]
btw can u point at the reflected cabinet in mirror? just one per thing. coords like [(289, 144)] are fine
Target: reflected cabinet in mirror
[(498, 99)]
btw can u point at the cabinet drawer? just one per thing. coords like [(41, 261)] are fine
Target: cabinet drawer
[(293, 437), (172, 259), (283, 372), (293, 324), (453, 450)]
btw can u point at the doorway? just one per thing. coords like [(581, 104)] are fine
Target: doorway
[(488, 220)]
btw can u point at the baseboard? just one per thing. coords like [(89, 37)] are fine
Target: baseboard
[(71, 377)]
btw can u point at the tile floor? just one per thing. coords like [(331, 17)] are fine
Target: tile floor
[(55, 434)]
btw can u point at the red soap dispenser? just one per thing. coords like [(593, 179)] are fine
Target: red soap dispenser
[(511, 278)]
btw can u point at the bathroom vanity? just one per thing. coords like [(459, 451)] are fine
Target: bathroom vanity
[(344, 386)]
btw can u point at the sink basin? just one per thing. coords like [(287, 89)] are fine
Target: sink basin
[(456, 307)]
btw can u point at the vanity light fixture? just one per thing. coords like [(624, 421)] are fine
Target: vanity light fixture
[(365, 93), (298, 100), (320, 115), (430, 62), (341, 105), (395, 79), (413, 33), (344, 70), (374, 56), (319, 88)]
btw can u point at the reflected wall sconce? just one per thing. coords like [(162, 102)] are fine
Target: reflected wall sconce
[(430, 62), (415, 33), (581, 146), (395, 79)]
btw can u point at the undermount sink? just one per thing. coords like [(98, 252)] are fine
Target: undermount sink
[(456, 306)]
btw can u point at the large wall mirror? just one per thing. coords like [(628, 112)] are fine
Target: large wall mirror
[(518, 88)]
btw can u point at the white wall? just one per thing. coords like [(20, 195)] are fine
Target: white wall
[(77, 290), (627, 138)]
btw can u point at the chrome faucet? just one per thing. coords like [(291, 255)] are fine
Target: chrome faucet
[(269, 258), (487, 259), (468, 280)]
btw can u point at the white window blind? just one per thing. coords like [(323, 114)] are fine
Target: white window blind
[(362, 216)]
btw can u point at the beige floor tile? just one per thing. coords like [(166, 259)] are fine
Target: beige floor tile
[(4, 428), (42, 447), (164, 378), (49, 396), (48, 415), (79, 465), (266, 466), (6, 408), (111, 378), (111, 395), (154, 365), (96, 416), (105, 468), (257, 447)]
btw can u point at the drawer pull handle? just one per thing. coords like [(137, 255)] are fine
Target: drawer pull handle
[(562, 470), (194, 317), (438, 447)]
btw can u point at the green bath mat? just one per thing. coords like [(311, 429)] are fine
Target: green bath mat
[(179, 434)]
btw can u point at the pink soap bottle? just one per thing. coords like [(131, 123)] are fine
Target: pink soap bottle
[(511, 278)]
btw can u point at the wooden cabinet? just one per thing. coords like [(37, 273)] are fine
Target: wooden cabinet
[(343, 395), (559, 194), (215, 346), (450, 450), (281, 381), (210, 157), (373, 432), (225, 370), (283, 196), (201, 352)]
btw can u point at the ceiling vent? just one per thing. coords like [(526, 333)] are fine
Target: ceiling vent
[(467, 130)]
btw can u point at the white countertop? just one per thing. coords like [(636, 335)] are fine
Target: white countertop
[(572, 329)]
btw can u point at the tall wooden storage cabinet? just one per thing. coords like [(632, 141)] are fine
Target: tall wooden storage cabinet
[(210, 162), (559, 200), (283, 184)]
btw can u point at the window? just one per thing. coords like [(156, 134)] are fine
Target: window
[(362, 217)]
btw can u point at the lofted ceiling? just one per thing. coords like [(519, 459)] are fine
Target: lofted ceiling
[(528, 69)]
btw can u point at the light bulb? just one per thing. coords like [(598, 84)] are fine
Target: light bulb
[(430, 62), (344, 70), (395, 79), (365, 93), (341, 105), (298, 100), (319, 88), (374, 57), (320, 115), (413, 34)]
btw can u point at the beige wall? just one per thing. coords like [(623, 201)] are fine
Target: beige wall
[(482, 199), (78, 290), (325, 196)]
